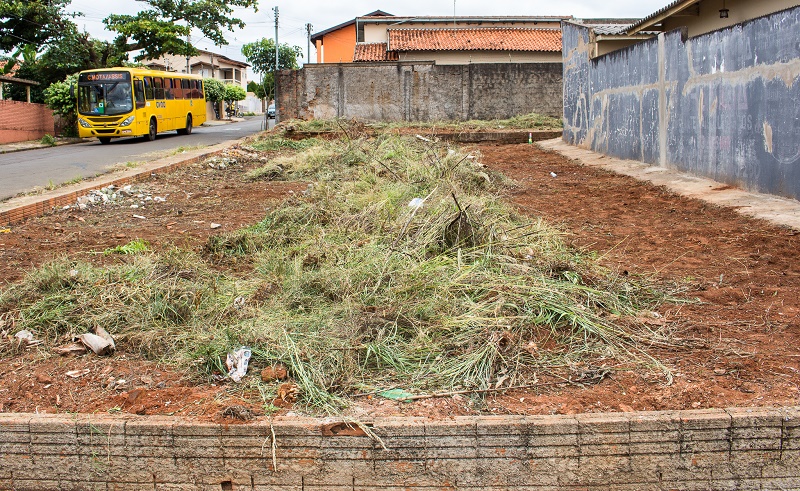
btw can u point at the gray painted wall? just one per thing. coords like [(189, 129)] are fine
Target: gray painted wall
[(725, 105), (420, 91)]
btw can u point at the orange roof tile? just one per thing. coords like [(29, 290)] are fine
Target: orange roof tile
[(13, 69), (475, 39), (373, 52)]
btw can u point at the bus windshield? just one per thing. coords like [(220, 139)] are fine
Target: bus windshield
[(105, 94)]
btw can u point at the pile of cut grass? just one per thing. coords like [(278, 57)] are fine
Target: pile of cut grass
[(356, 290), (531, 121)]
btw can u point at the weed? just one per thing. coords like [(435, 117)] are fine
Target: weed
[(48, 140), (184, 149), (137, 246)]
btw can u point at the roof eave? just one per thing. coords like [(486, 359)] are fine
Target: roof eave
[(21, 81), (660, 15), (623, 37), (400, 20)]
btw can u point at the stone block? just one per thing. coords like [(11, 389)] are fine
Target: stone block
[(23, 484), (598, 470)]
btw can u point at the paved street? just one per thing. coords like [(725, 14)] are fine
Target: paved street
[(23, 171)]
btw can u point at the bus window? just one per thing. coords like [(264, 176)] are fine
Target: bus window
[(118, 98), (148, 88), (185, 87), (200, 94), (158, 87), (168, 88), (177, 91), (138, 93)]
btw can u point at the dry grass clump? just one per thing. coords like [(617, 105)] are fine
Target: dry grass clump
[(400, 265), (353, 128)]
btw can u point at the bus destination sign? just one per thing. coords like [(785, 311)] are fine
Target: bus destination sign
[(104, 77)]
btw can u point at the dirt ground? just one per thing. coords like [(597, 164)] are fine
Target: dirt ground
[(737, 346)]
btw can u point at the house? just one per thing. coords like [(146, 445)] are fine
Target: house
[(207, 64), (713, 91), (459, 40), (337, 44), (695, 17), (380, 36)]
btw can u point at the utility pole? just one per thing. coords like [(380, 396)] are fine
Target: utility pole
[(308, 30), (275, 78), (189, 42)]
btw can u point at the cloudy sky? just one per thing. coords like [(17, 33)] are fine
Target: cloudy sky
[(322, 14)]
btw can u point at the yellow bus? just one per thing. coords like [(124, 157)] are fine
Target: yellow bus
[(120, 102)]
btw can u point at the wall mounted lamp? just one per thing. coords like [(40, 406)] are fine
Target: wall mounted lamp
[(723, 12)]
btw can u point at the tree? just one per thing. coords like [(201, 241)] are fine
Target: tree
[(72, 52), (215, 90), (256, 88), (164, 27), (31, 22), (234, 93), (261, 55), (61, 99)]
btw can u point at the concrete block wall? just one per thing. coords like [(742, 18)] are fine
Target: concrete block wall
[(23, 121), (723, 105), (691, 450), (419, 91)]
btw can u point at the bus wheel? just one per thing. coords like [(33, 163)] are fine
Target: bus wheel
[(105, 140), (151, 135), (188, 129)]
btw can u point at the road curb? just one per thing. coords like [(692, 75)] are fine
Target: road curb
[(36, 146), (17, 210)]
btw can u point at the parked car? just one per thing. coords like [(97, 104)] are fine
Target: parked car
[(271, 111)]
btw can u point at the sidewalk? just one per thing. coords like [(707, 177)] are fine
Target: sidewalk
[(775, 209), (34, 144)]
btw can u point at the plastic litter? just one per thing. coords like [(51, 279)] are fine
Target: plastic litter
[(237, 363), (553, 174), (416, 203), (25, 339), (397, 395), (101, 342), (24, 336)]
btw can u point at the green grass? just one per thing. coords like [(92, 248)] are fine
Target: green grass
[(355, 291), (137, 246)]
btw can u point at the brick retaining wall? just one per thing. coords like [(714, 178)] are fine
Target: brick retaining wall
[(41, 206), (23, 121), (688, 450)]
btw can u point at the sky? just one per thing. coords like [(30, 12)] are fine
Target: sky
[(293, 15)]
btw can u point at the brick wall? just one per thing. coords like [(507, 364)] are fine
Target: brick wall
[(710, 449), (21, 121), (419, 91)]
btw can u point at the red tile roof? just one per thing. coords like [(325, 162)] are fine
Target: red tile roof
[(13, 70), (373, 52), (475, 39)]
